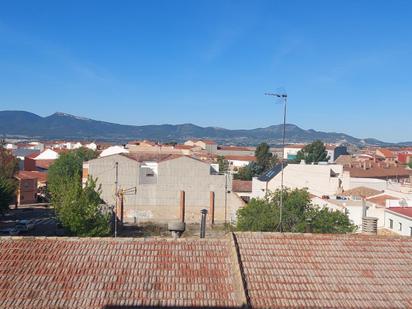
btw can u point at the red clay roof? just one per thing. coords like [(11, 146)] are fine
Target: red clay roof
[(150, 156), (378, 172), (386, 152), (240, 158), (44, 164), (278, 271), (178, 146), (100, 273), (241, 185), (381, 199), (41, 177), (326, 271), (406, 211)]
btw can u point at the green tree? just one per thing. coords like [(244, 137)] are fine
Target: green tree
[(264, 161), (263, 214), (8, 184), (77, 208), (264, 158), (223, 164), (324, 220), (7, 193), (80, 211), (313, 153), (410, 164)]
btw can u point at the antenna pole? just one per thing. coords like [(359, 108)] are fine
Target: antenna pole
[(283, 151), (284, 97), (116, 182)]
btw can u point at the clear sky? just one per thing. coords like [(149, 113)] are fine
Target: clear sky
[(346, 65)]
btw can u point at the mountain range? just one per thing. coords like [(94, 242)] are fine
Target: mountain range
[(26, 125)]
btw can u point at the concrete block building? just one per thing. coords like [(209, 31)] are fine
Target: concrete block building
[(152, 186)]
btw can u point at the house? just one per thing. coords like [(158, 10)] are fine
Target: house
[(333, 151), (208, 145), (291, 151), (243, 188), (113, 150), (156, 182), (241, 270), (236, 161), (386, 154), (30, 182), (398, 215), (322, 179), (235, 151)]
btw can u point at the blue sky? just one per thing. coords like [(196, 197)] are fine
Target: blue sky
[(346, 65)]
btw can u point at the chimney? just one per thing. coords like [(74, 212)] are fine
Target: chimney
[(203, 213), (212, 207), (308, 227), (182, 206)]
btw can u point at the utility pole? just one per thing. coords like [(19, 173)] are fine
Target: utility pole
[(284, 98), (116, 182), (226, 174)]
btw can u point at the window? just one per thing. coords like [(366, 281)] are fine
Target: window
[(391, 223), (400, 226)]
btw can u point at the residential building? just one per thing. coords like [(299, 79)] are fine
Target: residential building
[(208, 145), (235, 151), (27, 188), (156, 182), (242, 270), (319, 179), (113, 150), (239, 161), (243, 188), (399, 220)]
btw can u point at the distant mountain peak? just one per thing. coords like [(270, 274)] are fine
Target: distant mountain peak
[(61, 114)]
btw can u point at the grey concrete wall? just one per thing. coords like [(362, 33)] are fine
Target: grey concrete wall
[(159, 201)]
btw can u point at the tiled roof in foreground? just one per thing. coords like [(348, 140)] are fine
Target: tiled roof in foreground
[(100, 273), (262, 270), (326, 271)]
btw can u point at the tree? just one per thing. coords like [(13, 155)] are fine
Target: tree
[(263, 214), (264, 161), (324, 220), (410, 164), (223, 164), (8, 184), (313, 153), (80, 211), (7, 193), (77, 208), (264, 158)]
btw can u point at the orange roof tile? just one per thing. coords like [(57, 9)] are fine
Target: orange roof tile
[(381, 199)]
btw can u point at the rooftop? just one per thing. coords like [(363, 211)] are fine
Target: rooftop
[(361, 191), (381, 199), (241, 185), (406, 211), (261, 270)]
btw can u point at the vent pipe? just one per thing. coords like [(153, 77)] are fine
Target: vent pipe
[(203, 213), (370, 225)]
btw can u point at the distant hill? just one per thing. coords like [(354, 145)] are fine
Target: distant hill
[(21, 124)]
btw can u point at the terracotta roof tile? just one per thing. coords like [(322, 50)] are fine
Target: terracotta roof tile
[(406, 211), (381, 199), (41, 177), (94, 273), (361, 191), (326, 271), (241, 185), (240, 158)]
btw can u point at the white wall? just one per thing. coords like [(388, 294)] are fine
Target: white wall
[(398, 218), (377, 184), (317, 178)]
